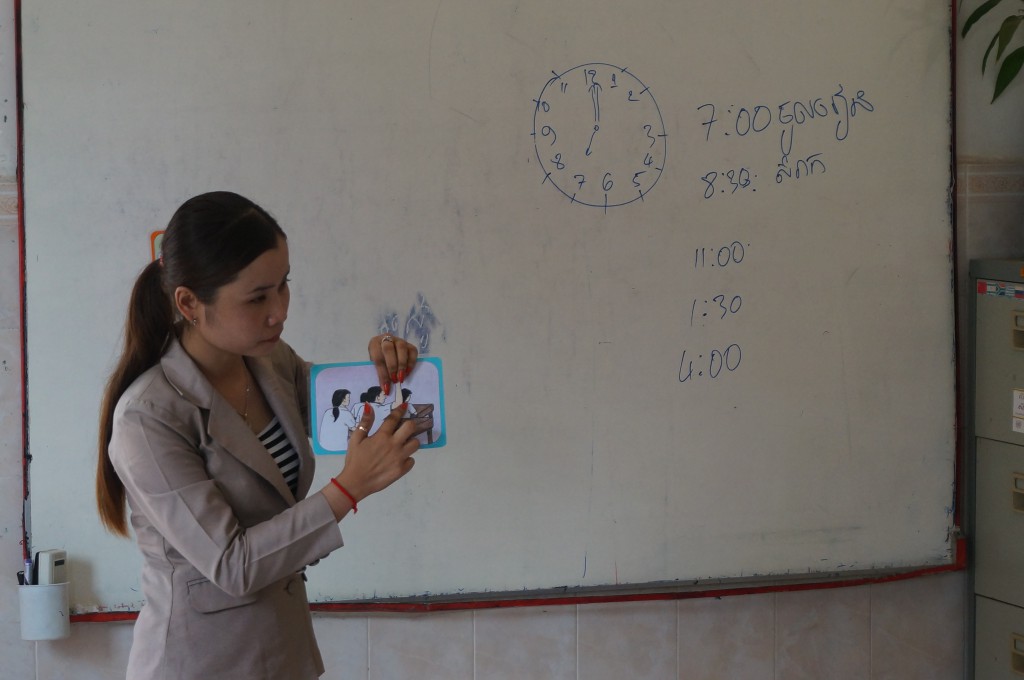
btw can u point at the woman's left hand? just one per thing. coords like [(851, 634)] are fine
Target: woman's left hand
[(394, 359)]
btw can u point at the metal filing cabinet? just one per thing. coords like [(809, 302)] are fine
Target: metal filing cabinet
[(996, 442)]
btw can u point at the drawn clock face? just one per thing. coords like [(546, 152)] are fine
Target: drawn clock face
[(599, 135)]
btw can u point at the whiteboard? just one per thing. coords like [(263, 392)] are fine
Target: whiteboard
[(738, 365)]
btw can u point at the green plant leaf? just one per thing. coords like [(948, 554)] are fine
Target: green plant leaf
[(977, 14), (1009, 70), (984, 60), (1006, 32)]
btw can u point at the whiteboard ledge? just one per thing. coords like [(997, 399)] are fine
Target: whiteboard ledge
[(670, 590)]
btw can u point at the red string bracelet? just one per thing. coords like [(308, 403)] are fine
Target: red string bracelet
[(347, 494)]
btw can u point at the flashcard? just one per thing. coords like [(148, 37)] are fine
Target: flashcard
[(339, 393)]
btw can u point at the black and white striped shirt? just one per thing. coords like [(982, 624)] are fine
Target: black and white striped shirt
[(284, 454)]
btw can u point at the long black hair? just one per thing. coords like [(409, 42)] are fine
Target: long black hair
[(209, 240)]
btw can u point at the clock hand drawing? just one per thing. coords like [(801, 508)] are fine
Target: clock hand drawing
[(595, 92), (591, 142), (599, 135)]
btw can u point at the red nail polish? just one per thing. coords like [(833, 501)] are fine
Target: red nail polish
[(401, 376), (386, 387), (366, 408), (394, 378)]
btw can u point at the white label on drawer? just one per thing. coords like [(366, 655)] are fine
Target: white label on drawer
[(1018, 403), (1018, 425)]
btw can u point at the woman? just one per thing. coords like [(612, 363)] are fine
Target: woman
[(203, 434), (410, 411), (337, 422), (375, 399)]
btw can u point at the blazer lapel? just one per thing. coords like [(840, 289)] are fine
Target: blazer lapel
[(230, 432), (281, 398), (226, 429)]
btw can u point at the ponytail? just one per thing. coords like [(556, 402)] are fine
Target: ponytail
[(337, 399), (148, 327)]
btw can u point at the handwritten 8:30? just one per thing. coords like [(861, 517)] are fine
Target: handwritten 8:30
[(731, 181)]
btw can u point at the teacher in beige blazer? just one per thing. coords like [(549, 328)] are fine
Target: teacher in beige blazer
[(204, 438)]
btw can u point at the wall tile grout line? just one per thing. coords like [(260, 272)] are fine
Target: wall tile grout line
[(871, 630), (775, 636), (576, 621)]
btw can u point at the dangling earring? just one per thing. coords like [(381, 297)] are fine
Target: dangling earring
[(195, 322)]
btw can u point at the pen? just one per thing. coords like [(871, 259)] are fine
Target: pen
[(28, 571)]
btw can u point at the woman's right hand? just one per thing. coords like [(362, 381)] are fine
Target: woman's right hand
[(374, 463)]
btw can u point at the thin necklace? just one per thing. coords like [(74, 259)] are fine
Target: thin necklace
[(245, 406)]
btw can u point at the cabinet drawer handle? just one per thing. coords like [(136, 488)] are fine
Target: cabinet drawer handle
[(1018, 330), (1018, 492), (1017, 654)]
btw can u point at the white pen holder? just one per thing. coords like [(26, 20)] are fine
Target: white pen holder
[(44, 612)]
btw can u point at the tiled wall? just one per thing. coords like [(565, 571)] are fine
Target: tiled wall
[(899, 631), (990, 213)]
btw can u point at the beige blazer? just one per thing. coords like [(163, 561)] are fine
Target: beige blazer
[(223, 540)]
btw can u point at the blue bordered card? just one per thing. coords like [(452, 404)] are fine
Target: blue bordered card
[(338, 392)]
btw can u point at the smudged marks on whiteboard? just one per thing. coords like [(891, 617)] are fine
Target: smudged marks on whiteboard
[(419, 325)]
